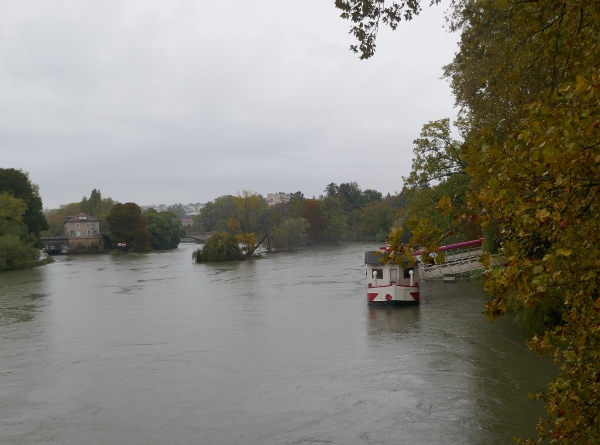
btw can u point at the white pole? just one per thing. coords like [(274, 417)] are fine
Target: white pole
[(410, 272)]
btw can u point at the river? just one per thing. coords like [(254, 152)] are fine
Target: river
[(154, 349)]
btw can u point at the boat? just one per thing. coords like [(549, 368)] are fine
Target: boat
[(390, 284)]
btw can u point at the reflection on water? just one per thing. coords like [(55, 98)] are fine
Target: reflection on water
[(21, 294), (156, 349), (394, 320)]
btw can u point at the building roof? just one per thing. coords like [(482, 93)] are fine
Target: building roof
[(81, 217)]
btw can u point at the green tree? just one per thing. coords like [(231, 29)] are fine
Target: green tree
[(17, 250), (12, 211), (331, 189), (299, 195), (375, 220), (336, 219), (164, 228), (17, 184), (290, 233), (215, 214), (89, 206), (220, 246), (437, 156), (126, 225), (369, 196), (16, 254)]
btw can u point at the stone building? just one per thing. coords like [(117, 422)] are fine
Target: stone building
[(83, 233)]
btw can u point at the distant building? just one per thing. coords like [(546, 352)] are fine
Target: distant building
[(278, 198), (83, 233), (187, 222)]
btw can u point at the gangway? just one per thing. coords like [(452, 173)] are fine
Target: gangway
[(462, 261)]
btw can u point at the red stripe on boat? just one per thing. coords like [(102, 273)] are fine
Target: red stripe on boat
[(415, 295), (372, 295)]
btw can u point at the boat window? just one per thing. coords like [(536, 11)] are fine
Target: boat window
[(406, 272), (393, 274), (378, 273)]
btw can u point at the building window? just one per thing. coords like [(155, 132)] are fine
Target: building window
[(378, 273), (77, 226), (89, 233), (78, 233), (72, 233)]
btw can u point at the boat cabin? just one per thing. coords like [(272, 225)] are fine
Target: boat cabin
[(388, 283)]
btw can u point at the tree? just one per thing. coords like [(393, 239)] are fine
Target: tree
[(314, 216), (437, 156), (290, 233), (17, 184), (527, 75), (248, 220), (17, 250), (337, 221), (369, 196), (367, 15), (527, 80), (215, 214), (545, 199), (127, 226), (331, 189), (299, 195), (12, 211), (375, 220), (349, 194), (89, 206), (220, 246), (164, 228)]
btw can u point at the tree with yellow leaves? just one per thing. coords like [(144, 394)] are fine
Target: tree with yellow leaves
[(527, 80)]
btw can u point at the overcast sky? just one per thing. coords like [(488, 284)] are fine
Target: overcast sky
[(158, 102)]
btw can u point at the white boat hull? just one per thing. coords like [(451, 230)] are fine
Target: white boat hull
[(393, 293)]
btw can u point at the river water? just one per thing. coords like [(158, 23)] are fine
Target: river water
[(155, 349)]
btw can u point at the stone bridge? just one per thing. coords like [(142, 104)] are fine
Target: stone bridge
[(198, 237), (54, 243)]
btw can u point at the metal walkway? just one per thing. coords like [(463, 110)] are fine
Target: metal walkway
[(462, 261)]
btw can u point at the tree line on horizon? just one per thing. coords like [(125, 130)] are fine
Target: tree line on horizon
[(344, 212)]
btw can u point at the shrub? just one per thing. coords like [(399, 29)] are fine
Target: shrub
[(219, 247)]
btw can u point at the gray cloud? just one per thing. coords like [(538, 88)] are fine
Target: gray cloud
[(185, 101)]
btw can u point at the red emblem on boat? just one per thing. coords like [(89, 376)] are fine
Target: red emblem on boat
[(388, 297)]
